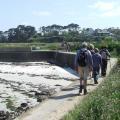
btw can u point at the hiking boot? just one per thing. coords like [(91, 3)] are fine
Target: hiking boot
[(95, 82), (103, 74), (85, 91)]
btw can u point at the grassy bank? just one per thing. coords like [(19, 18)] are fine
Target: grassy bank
[(101, 104), (42, 46)]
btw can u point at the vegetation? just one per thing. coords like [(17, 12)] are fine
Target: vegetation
[(57, 33), (113, 46), (40, 46), (51, 37), (10, 104)]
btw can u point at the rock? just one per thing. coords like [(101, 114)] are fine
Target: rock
[(12, 115), (4, 115), (41, 98), (41, 93), (23, 105)]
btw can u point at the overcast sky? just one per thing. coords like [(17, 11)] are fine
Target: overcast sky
[(86, 13)]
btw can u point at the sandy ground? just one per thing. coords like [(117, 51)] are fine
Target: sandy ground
[(57, 106)]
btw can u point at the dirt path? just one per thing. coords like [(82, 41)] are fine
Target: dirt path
[(58, 105)]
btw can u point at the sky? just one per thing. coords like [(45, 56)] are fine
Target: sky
[(87, 13)]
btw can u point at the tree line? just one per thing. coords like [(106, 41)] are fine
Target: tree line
[(57, 33)]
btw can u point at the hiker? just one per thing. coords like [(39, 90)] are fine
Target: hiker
[(83, 65), (65, 46), (105, 57), (91, 49), (68, 47), (97, 62)]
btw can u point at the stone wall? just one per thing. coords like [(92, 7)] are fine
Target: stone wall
[(60, 58), (65, 58)]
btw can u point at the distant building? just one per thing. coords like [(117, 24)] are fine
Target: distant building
[(104, 32)]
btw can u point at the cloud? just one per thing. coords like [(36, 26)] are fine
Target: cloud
[(103, 6), (41, 13), (112, 13), (106, 9)]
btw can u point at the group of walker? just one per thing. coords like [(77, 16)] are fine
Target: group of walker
[(88, 63)]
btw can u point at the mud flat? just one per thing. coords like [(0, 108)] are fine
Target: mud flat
[(24, 85)]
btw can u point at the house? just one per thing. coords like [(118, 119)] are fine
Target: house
[(99, 32)]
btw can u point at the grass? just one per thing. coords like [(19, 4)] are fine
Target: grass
[(10, 104), (101, 104), (47, 46)]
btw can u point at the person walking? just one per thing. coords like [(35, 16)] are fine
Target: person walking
[(105, 54), (97, 62), (91, 49), (83, 65)]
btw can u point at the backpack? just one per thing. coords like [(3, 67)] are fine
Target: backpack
[(82, 58), (92, 52), (103, 54)]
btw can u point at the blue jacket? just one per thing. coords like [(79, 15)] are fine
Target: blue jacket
[(97, 60)]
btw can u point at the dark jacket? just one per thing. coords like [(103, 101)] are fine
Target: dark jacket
[(107, 53), (97, 60)]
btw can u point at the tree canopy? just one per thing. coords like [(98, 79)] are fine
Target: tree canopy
[(57, 33)]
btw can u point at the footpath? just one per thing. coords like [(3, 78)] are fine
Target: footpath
[(58, 105)]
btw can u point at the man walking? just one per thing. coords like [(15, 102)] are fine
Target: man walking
[(83, 65), (97, 62), (105, 57)]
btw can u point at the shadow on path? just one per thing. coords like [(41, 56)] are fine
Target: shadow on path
[(64, 96), (70, 88), (67, 93)]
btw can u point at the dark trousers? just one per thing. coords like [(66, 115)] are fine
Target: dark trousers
[(104, 67), (96, 71)]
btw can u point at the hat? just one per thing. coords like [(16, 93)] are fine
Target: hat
[(91, 46), (96, 50), (84, 44)]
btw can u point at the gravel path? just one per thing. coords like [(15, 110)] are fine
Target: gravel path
[(57, 106)]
